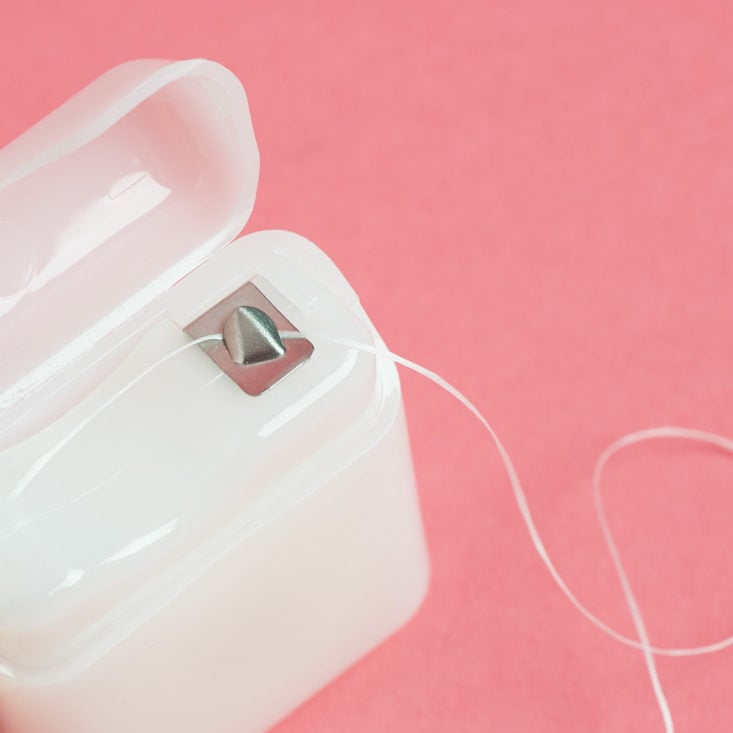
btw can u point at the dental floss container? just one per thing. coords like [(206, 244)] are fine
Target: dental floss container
[(187, 543)]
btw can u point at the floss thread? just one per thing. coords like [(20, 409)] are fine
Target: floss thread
[(642, 644)]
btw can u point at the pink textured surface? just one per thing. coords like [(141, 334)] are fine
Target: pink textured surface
[(533, 198)]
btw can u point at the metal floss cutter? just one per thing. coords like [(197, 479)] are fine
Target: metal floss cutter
[(186, 543)]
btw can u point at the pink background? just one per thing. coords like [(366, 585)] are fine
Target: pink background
[(533, 198)]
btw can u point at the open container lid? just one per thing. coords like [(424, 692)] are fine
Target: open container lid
[(104, 205)]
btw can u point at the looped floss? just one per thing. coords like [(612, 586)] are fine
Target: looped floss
[(642, 643)]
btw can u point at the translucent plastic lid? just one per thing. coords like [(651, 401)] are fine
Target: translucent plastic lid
[(104, 205)]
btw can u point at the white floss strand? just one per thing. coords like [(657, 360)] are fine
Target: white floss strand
[(642, 644)]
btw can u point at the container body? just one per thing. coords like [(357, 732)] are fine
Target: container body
[(293, 541)]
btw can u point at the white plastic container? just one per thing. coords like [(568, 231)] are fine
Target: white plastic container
[(175, 554)]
